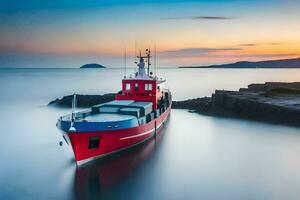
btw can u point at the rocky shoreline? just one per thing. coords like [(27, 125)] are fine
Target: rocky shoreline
[(273, 102), (270, 102), (82, 100)]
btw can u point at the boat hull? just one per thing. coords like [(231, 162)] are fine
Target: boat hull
[(114, 140)]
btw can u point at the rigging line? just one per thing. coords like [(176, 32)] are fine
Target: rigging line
[(135, 57)]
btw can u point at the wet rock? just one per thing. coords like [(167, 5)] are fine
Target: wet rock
[(83, 100), (271, 102)]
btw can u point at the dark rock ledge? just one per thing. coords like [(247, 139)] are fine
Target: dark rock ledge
[(82, 100), (270, 102)]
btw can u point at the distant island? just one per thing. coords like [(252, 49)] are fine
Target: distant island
[(92, 65), (285, 63)]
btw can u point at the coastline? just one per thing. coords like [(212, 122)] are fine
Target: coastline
[(293, 63), (273, 102)]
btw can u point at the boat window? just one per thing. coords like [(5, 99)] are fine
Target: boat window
[(148, 86), (136, 87), (94, 142), (127, 86), (148, 118)]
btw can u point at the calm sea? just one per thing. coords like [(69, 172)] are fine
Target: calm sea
[(196, 157)]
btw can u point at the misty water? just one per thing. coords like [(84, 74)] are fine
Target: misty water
[(195, 157)]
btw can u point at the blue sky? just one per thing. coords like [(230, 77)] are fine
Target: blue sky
[(69, 33)]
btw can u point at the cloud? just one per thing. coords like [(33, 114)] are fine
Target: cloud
[(246, 57), (255, 44), (274, 43), (201, 18), (248, 45), (273, 55), (195, 51)]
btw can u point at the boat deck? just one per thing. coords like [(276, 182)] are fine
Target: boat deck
[(114, 115), (108, 117), (100, 117)]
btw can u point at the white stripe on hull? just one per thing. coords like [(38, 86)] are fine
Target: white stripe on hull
[(141, 134), (81, 162)]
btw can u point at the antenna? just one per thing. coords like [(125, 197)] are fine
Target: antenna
[(135, 57), (155, 60), (125, 56), (148, 52), (135, 61)]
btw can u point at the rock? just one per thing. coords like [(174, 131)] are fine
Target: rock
[(83, 100), (270, 102), (193, 104), (264, 87)]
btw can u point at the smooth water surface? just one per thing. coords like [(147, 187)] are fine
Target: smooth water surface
[(196, 157)]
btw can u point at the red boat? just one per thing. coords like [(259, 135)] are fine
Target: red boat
[(139, 110)]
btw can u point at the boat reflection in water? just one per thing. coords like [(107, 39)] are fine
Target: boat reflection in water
[(94, 179)]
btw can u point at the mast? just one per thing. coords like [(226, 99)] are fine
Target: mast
[(143, 59), (73, 116), (148, 52), (125, 62), (155, 61), (135, 54)]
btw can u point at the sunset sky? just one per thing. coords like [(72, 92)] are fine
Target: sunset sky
[(69, 33)]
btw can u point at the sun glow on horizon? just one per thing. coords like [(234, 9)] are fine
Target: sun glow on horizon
[(189, 33)]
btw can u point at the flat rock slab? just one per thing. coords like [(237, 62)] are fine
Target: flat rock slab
[(83, 100), (271, 102)]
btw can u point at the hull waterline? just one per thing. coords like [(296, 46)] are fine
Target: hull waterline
[(113, 141)]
